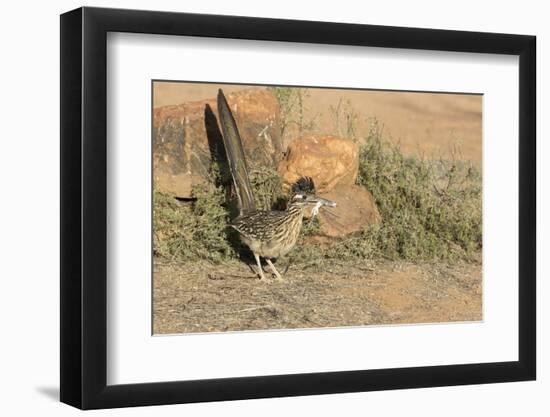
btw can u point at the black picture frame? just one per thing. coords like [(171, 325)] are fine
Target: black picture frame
[(84, 207)]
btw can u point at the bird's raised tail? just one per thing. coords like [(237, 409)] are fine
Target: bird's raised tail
[(235, 156)]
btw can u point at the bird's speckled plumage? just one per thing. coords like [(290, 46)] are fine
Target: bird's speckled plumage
[(268, 234)]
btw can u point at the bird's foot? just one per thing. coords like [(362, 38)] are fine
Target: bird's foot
[(278, 276), (280, 280), (262, 276), (270, 278)]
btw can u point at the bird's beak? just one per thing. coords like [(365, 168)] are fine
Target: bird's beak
[(326, 202), (322, 202), (319, 202)]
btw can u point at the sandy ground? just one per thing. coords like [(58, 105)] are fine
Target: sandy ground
[(422, 123), (195, 298)]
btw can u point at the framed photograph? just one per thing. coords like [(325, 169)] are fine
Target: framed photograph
[(257, 208)]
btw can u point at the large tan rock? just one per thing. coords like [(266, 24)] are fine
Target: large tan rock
[(355, 210), (186, 138), (329, 160)]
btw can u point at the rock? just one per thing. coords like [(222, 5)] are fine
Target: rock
[(186, 138), (355, 210), (333, 164), (329, 160)]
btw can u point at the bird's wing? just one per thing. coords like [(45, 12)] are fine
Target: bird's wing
[(235, 155)]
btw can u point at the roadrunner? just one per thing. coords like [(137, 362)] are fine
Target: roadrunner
[(268, 234)]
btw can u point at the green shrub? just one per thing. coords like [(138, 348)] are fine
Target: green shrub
[(344, 118), (267, 188), (191, 231), (291, 104), (430, 209)]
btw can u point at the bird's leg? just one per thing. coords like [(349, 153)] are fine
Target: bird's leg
[(260, 270), (279, 277)]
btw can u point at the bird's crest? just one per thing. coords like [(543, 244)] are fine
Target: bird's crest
[(304, 185)]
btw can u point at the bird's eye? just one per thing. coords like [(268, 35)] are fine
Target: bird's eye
[(304, 197)]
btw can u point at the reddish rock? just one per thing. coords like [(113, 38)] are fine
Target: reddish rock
[(329, 160), (186, 138), (355, 210)]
